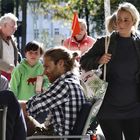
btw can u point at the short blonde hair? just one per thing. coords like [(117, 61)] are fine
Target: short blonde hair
[(8, 17), (126, 6)]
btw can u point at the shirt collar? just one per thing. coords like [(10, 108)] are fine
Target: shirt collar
[(84, 39), (65, 75)]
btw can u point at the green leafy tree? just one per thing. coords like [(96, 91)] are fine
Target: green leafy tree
[(91, 10)]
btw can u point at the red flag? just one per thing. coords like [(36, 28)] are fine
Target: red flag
[(75, 25)]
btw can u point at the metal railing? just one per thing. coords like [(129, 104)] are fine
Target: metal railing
[(83, 137)]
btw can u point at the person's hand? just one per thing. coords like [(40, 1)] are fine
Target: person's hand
[(10, 68), (105, 58)]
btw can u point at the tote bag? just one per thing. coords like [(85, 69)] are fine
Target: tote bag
[(95, 87)]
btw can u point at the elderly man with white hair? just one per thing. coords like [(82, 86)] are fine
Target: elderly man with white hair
[(80, 42), (8, 46)]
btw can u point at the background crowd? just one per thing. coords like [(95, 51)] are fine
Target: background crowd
[(44, 91)]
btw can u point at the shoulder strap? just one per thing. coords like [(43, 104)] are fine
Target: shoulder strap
[(107, 41)]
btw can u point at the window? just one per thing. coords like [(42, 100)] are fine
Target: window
[(45, 16), (47, 31), (36, 33), (56, 31)]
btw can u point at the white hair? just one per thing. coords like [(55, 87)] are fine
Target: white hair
[(83, 22), (8, 17)]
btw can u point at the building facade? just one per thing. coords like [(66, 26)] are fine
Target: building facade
[(42, 27)]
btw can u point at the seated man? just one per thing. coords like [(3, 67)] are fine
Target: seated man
[(15, 124), (64, 98)]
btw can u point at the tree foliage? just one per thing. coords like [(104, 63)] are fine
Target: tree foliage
[(91, 10)]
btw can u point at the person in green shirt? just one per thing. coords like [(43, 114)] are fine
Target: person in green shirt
[(27, 78)]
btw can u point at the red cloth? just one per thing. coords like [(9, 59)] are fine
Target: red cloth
[(7, 75)]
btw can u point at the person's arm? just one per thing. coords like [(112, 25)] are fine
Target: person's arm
[(31, 122), (4, 66), (90, 60), (48, 100), (15, 81)]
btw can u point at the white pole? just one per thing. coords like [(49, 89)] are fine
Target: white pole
[(106, 11)]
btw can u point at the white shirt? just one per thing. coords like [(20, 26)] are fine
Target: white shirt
[(8, 52)]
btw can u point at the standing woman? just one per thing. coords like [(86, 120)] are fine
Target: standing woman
[(120, 112)]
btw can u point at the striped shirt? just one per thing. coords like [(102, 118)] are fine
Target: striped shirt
[(63, 99)]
